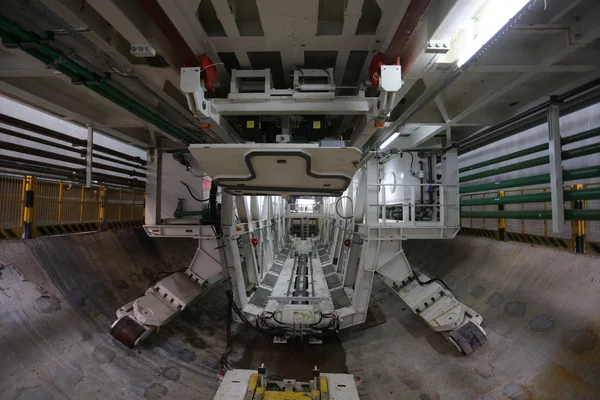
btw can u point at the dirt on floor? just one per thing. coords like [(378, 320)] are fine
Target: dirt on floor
[(58, 296)]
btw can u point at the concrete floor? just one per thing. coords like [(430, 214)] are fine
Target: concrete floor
[(58, 296)]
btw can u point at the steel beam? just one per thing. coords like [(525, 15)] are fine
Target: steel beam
[(556, 178), (591, 34), (339, 106)]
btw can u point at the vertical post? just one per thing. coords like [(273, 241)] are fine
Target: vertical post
[(120, 204), (132, 205), (82, 204), (556, 180), (102, 208), (372, 192), (152, 210), (579, 225), (61, 189), (501, 221), (450, 186), (231, 252), (383, 208), (88, 156), (545, 222), (28, 200)]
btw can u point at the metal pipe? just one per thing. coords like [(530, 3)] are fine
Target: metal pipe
[(573, 195), (568, 175), (53, 156), (80, 74), (487, 136), (581, 215), (566, 155), (17, 123), (535, 149), (71, 149), (38, 167)]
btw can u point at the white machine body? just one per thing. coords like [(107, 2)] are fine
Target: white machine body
[(304, 228)]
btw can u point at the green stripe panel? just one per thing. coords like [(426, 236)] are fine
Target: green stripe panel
[(571, 195), (566, 155), (535, 149), (570, 175), (581, 215)]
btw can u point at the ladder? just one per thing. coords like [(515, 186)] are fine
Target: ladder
[(304, 229)]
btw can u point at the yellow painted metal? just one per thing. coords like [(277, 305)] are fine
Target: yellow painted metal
[(101, 200), (82, 204), (255, 392), (501, 221), (28, 184), (579, 227), (252, 386), (324, 387), (64, 207), (561, 243)]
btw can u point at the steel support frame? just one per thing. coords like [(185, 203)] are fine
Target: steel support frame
[(377, 250), (556, 178)]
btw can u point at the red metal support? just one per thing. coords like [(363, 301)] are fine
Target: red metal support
[(164, 23), (413, 16)]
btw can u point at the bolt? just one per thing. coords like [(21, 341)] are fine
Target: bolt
[(437, 45), (445, 45), (578, 36)]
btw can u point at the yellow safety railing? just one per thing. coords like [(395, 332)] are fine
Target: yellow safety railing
[(32, 207), (535, 232)]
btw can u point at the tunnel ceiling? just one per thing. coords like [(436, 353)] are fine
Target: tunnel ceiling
[(552, 48)]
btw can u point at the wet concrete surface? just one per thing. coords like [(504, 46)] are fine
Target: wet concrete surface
[(58, 296)]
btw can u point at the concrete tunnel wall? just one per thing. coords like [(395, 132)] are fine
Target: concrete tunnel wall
[(58, 296)]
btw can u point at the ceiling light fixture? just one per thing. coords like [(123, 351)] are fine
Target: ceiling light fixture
[(389, 140), (488, 21)]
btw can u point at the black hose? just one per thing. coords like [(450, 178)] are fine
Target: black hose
[(434, 279), (351, 205), (192, 194), (240, 314)]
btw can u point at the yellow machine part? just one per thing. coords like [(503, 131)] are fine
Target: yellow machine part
[(258, 393)]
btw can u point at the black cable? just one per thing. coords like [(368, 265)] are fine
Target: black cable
[(351, 206), (163, 274), (192, 194), (241, 315), (434, 279), (124, 75)]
